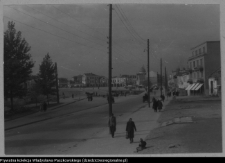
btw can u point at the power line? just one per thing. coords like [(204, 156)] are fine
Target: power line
[(67, 24), (78, 20), (122, 17), (129, 22), (54, 26), (53, 34)]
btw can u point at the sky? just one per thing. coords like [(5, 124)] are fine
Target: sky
[(76, 35)]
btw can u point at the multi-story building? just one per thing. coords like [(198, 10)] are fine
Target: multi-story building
[(77, 80), (118, 81), (90, 80), (204, 60), (141, 77), (130, 79), (103, 81)]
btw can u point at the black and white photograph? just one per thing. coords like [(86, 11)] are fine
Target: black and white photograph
[(112, 78)]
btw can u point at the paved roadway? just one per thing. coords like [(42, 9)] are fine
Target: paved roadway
[(68, 126)]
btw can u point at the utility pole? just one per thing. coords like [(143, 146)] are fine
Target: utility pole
[(161, 76), (57, 88), (165, 81), (148, 77), (110, 60)]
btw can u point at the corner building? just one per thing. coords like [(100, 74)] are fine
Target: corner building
[(204, 60)]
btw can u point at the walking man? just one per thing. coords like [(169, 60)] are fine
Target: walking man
[(112, 125), (130, 129), (155, 104), (160, 105)]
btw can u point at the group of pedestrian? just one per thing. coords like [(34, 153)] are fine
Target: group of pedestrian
[(157, 104), (130, 128)]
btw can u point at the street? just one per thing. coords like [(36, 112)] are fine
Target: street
[(68, 126)]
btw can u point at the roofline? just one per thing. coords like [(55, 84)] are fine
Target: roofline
[(203, 43)]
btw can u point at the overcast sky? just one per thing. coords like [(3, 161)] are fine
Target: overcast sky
[(75, 35)]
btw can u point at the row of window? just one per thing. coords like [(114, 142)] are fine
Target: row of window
[(196, 63), (197, 74), (198, 51)]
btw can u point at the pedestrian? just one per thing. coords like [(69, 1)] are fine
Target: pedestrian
[(112, 125), (130, 129), (142, 145), (45, 106), (154, 104), (160, 105), (163, 97)]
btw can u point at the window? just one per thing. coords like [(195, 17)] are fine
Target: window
[(193, 64), (201, 62), (190, 65), (199, 51), (203, 50), (196, 52), (193, 54), (197, 63)]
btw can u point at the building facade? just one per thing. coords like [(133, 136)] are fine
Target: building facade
[(129, 79), (91, 80), (204, 60), (141, 77)]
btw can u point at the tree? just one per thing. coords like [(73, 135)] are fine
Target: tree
[(17, 63), (47, 76)]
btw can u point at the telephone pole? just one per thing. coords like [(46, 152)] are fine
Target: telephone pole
[(110, 60), (161, 76), (57, 88), (165, 81), (148, 77)]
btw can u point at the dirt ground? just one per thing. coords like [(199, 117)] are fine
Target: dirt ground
[(203, 135)]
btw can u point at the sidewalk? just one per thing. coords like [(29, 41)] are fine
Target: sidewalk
[(188, 125), (103, 144)]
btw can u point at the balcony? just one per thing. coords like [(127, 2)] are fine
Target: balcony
[(198, 68), (196, 56)]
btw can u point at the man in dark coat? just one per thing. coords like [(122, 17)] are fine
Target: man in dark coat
[(163, 97), (160, 105), (112, 125), (130, 129), (155, 104), (45, 106)]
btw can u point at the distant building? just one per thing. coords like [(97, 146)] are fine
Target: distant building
[(130, 79), (118, 81), (91, 80), (77, 80), (63, 83), (103, 81), (141, 77), (204, 60)]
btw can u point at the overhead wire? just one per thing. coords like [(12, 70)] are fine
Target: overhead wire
[(124, 15)]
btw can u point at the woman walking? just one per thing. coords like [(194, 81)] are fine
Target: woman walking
[(130, 129)]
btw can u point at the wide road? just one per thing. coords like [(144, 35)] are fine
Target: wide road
[(68, 127)]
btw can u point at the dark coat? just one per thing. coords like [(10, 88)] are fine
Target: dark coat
[(112, 124), (155, 104), (160, 105), (130, 129)]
